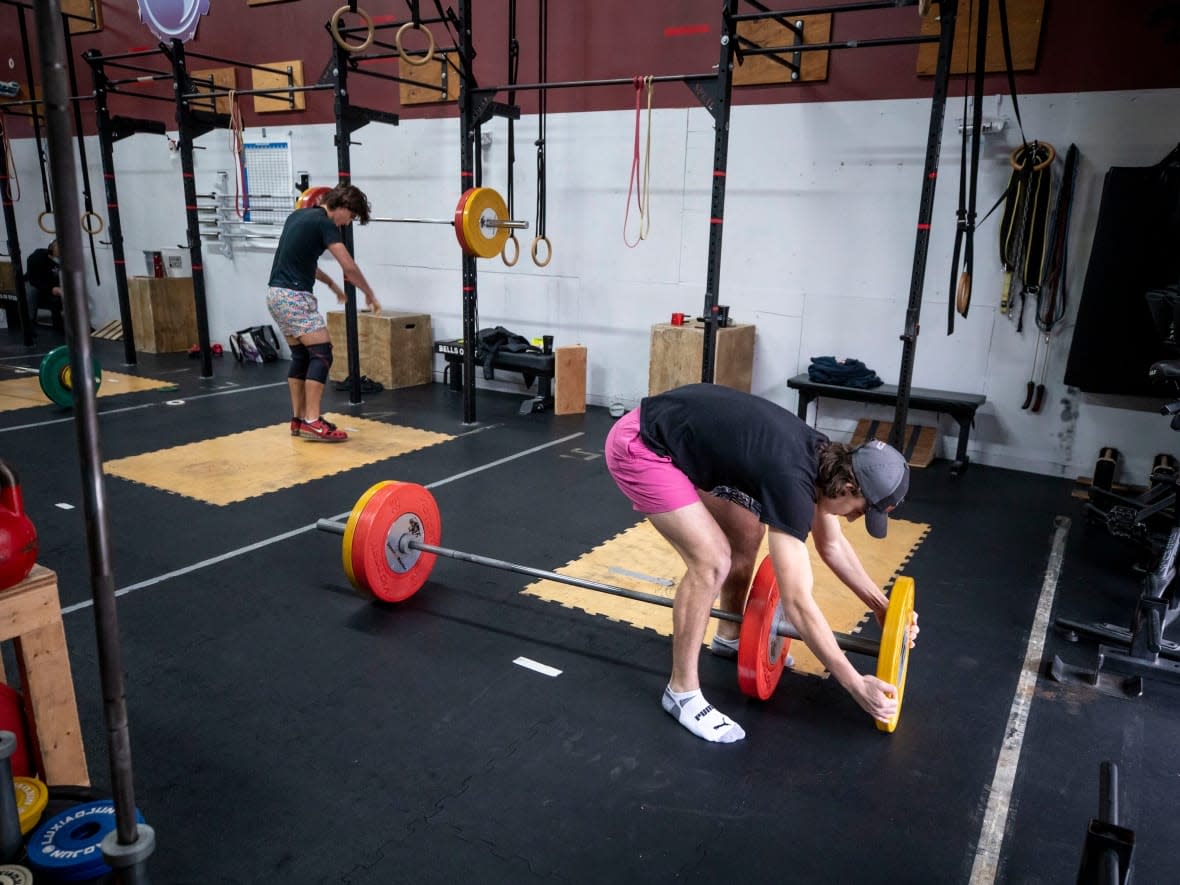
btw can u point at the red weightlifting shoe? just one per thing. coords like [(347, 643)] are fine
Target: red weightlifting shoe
[(321, 431), (296, 423)]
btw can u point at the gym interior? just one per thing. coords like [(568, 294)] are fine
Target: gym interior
[(227, 660)]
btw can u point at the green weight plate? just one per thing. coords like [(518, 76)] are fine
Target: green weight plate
[(56, 376)]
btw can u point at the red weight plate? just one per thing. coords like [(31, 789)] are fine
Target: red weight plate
[(761, 651), (350, 529), (460, 209), (379, 566)]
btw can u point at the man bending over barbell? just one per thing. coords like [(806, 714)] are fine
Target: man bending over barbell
[(306, 234), (711, 468)]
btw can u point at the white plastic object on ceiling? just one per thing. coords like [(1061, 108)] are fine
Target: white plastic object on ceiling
[(173, 19)]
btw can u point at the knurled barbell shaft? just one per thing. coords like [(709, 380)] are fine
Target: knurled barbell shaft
[(849, 643), (485, 222)]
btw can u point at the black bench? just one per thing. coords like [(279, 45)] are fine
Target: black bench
[(960, 406), (540, 366)]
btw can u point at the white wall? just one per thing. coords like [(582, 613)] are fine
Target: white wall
[(821, 207)]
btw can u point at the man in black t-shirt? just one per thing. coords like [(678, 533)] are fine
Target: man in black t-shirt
[(44, 279), (712, 468), (306, 234)]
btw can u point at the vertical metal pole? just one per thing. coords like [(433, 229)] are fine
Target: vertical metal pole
[(948, 11), (717, 206), (466, 178), (184, 124), (344, 176), (27, 317), (51, 42), (107, 152)]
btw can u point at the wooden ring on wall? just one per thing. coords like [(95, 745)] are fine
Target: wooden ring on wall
[(515, 250), (334, 27), (415, 60), (548, 251), (1039, 165), (41, 223), (89, 227)]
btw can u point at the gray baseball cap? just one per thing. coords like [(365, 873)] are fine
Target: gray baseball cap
[(884, 478)]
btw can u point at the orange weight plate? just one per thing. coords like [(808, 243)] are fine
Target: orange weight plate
[(459, 208), (311, 197), (761, 651), (379, 564), (894, 659), (350, 530), (480, 204)]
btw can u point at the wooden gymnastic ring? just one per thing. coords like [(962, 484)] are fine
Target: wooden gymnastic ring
[(963, 293), (416, 60), (1017, 156), (516, 250), (41, 223), (548, 247), (93, 231), (334, 27)]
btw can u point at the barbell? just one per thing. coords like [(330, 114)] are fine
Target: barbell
[(480, 221), (391, 544)]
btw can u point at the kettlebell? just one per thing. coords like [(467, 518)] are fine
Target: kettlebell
[(18, 537)]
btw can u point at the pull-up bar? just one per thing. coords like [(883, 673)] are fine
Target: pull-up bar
[(613, 81), (822, 10)]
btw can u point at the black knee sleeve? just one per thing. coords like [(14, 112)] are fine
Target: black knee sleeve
[(321, 361), (299, 361)]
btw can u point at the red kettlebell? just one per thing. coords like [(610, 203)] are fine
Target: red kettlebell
[(18, 537)]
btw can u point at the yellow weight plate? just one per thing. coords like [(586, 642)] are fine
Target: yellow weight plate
[(478, 204), (31, 798), (894, 658), (350, 531)]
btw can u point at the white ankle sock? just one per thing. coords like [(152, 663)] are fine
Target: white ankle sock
[(691, 710)]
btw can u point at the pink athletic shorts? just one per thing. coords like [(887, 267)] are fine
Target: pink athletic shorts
[(652, 482)]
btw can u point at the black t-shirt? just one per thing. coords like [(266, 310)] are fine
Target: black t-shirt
[(306, 234), (41, 270), (720, 437)]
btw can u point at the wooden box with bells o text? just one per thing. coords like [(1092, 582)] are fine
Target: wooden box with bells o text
[(395, 348)]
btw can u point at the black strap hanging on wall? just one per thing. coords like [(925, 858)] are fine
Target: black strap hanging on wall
[(36, 115), (513, 73), (96, 225), (542, 101), (959, 296)]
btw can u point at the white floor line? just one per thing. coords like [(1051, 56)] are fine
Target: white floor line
[(102, 412), (266, 542), (991, 834), (536, 666)]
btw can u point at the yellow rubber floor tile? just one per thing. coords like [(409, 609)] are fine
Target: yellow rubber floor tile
[(25, 392), (245, 465), (639, 559)]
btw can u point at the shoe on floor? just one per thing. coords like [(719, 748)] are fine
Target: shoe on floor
[(321, 431), (296, 423)]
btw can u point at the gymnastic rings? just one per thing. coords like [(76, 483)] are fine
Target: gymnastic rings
[(41, 223), (515, 251), (334, 27), (963, 293), (416, 60), (1043, 156), (93, 227), (548, 251)]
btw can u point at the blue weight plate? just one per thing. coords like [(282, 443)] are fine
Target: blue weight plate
[(68, 846)]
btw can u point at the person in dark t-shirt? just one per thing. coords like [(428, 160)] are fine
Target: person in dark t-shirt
[(712, 468), (44, 279), (306, 234)]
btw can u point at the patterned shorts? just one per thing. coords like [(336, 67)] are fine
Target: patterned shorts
[(296, 313)]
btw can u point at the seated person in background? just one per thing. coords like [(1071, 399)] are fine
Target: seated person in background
[(41, 274)]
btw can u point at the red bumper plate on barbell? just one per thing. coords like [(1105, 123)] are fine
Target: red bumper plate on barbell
[(383, 515), (894, 659), (761, 651)]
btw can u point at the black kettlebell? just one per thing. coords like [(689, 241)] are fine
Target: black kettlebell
[(18, 537)]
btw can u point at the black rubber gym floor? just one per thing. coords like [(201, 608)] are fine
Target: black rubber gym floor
[(286, 730)]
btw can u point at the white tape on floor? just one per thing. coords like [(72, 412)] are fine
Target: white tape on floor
[(535, 666), (995, 819)]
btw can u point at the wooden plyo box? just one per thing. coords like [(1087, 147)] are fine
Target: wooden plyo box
[(677, 353), (396, 348), (918, 444), (163, 313), (569, 380), (7, 278), (30, 615)]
